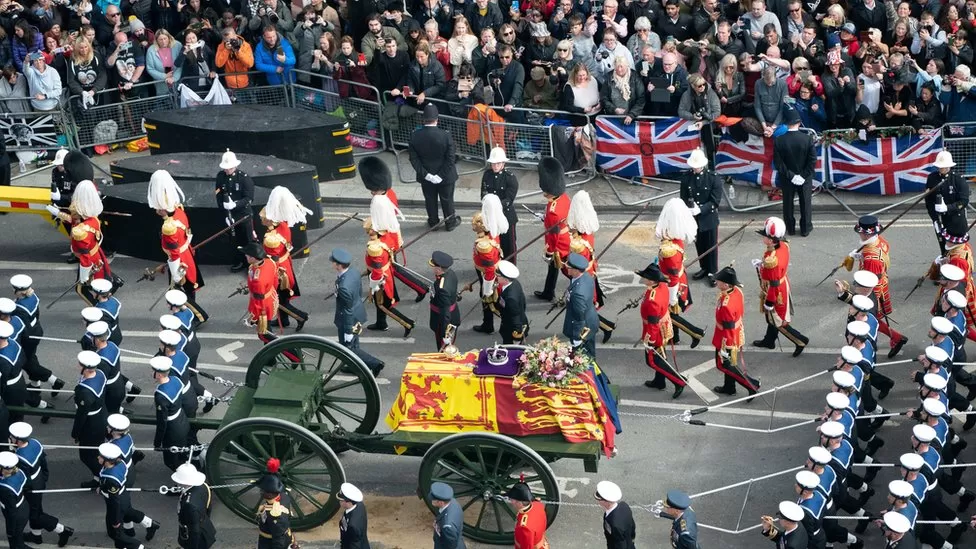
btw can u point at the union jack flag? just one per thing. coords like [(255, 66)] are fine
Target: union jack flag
[(888, 165), (644, 148), (753, 163)]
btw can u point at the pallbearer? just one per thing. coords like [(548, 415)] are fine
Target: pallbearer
[(583, 225), (489, 224), (657, 330), (676, 228), (384, 218), (382, 283), (283, 211), (774, 287), (262, 285)]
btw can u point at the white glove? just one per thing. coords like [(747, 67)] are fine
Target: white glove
[(939, 260), (862, 135), (53, 210), (55, 195), (228, 222), (446, 341), (175, 271), (577, 342), (798, 180), (695, 210), (672, 295), (856, 255), (547, 257), (487, 288), (768, 307), (230, 205), (375, 286), (940, 207), (724, 354), (539, 216), (756, 263), (84, 273), (348, 337)]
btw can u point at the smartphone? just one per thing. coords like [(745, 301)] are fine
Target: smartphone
[(406, 90), (515, 5), (362, 58)]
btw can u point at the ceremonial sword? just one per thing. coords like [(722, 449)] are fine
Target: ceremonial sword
[(921, 279)]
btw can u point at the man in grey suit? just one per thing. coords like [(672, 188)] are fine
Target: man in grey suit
[(349, 312), (449, 523), (581, 322)]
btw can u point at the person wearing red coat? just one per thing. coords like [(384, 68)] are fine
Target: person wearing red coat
[(486, 254), (262, 287), (675, 227), (277, 244), (774, 288), (657, 330), (86, 239), (959, 254), (553, 185), (530, 519), (382, 287), (730, 335)]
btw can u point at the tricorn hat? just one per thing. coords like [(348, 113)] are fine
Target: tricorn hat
[(375, 173), (727, 275), (520, 492), (551, 176), (867, 224), (653, 273), (254, 250)]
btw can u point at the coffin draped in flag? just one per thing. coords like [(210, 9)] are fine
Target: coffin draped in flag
[(754, 163), (885, 165), (644, 148)]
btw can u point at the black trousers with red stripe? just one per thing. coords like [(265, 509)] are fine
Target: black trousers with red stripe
[(663, 370), (734, 374)]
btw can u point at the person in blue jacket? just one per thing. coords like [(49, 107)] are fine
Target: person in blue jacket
[(275, 57)]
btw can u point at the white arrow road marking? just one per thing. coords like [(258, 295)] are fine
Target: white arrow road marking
[(227, 353), (697, 386)]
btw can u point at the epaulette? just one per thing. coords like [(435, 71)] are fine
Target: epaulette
[(483, 245), (770, 261), (79, 231), (668, 249), (169, 226), (375, 248), (272, 239)]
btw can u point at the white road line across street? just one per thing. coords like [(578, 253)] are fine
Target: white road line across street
[(22, 266), (697, 386)]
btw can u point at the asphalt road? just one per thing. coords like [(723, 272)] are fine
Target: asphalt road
[(656, 451)]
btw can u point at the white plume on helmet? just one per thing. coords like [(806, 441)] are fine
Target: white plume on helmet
[(382, 212), (493, 216), (164, 193), (85, 200), (676, 221), (582, 216), (284, 207)]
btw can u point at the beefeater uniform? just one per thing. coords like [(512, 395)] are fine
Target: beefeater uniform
[(262, 284), (379, 262), (486, 254), (530, 527), (874, 257), (729, 337), (583, 244), (176, 236), (86, 244), (278, 246), (671, 260), (774, 291), (557, 240), (657, 331)]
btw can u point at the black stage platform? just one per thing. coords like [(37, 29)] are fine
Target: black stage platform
[(138, 235), (303, 136), (266, 171)]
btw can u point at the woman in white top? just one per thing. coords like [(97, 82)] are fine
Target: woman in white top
[(869, 88), (462, 43), (581, 95)]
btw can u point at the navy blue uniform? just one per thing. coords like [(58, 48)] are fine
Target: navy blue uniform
[(111, 308), (111, 366), (33, 463), (14, 388), (29, 311), (118, 506), (16, 511), (90, 419), (684, 530), (196, 529), (172, 426)]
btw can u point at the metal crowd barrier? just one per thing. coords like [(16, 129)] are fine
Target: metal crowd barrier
[(116, 118), (959, 138), (257, 91), (318, 93)]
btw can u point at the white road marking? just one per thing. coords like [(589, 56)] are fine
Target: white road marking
[(697, 386), (727, 410), (227, 353), (237, 337), (22, 266)]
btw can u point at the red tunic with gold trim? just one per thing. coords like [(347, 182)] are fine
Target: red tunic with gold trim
[(262, 283), (875, 259), (86, 244), (774, 288), (671, 259), (729, 309), (557, 240), (277, 244), (530, 527), (487, 252), (176, 243), (656, 316), (582, 243), (961, 255), (379, 261), (392, 240), (392, 195)]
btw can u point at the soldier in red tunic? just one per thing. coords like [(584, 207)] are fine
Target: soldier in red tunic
[(657, 330), (676, 228), (379, 181), (262, 285), (553, 185), (530, 519), (384, 215), (489, 224), (583, 225), (166, 197), (774, 288), (382, 286), (730, 334), (960, 254), (873, 256), (283, 211), (86, 239)]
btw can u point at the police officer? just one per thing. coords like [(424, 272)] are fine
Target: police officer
[(443, 304), (274, 515), (110, 305), (530, 518), (510, 304), (503, 184), (33, 463), (701, 190), (235, 192), (684, 525), (946, 206), (618, 520), (449, 522), (118, 434), (791, 534), (172, 426), (349, 312), (13, 501), (120, 516), (88, 429), (353, 524), (196, 529)]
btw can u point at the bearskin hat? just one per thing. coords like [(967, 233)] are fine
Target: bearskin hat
[(375, 173), (552, 176)]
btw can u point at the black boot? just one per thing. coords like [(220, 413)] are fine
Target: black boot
[(135, 391), (873, 446), (65, 535), (896, 348), (964, 501), (31, 538), (151, 531), (58, 385), (678, 389)]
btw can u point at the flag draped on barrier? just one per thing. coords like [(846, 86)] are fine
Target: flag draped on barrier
[(753, 163), (888, 165), (644, 148)]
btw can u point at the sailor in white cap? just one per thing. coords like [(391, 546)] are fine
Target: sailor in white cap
[(120, 516), (900, 499), (514, 326), (814, 504), (172, 425), (856, 335), (169, 346), (930, 508), (111, 364), (13, 490), (28, 309), (791, 534), (841, 451), (33, 462), (193, 511), (110, 305), (235, 192), (618, 520), (118, 434), (191, 349), (353, 524), (89, 315), (863, 308), (924, 441), (88, 429), (897, 530), (13, 388)]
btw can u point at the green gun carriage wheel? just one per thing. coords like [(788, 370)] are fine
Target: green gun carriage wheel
[(480, 467), (310, 469)]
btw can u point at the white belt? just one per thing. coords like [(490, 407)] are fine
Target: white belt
[(36, 473), (114, 379), (33, 322), (16, 379), (185, 389), (95, 412), (175, 415)]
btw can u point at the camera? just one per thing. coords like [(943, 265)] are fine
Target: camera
[(604, 54), (496, 74), (234, 43)]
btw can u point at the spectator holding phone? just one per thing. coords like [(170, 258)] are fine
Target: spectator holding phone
[(927, 110), (463, 43), (933, 72), (810, 107), (198, 66), (960, 51), (426, 77)]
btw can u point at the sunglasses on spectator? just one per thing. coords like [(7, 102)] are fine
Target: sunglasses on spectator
[(113, 15), (508, 33), (701, 86), (504, 56), (797, 10), (563, 50)]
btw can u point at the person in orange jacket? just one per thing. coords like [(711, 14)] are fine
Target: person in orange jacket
[(235, 56)]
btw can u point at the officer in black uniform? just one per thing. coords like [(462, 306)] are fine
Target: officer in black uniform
[(618, 520), (502, 183), (33, 463), (13, 491), (795, 159), (274, 514), (947, 206), (89, 425), (510, 305), (684, 525), (235, 192), (196, 529), (120, 516), (353, 524), (701, 190), (443, 302), (172, 426)]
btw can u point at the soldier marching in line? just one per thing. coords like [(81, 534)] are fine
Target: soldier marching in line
[(657, 330), (349, 311), (28, 308), (489, 224), (283, 211), (684, 522), (179, 309), (88, 429), (166, 198), (791, 534), (675, 228), (946, 206), (354, 523), (530, 518), (13, 388), (774, 288), (262, 286), (18, 335), (118, 434), (510, 304), (33, 462), (274, 515), (444, 316), (958, 254), (196, 530), (384, 218), (553, 185), (13, 499), (583, 224), (729, 336), (110, 365), (619, 527), (503, 184), (235, 193), (378, 180), (120, 516), (864, 284), (169, 342), (172, 425), (382, 283), (110, 306)]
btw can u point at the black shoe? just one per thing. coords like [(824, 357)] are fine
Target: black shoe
[(884, 392), (863, 498), (420, 297), (48, 418), (132, 394), (131, 532), (451, 226), (964, 501), (379, 368), (764, 344), (798, 350), (90, 484), (208, 405), (543, 296), (651, 385), (857, 544), (377, 327), (699, 275), (754, 391), (970, 422), (721, 390), (58, 385), (956, 532), (872, 472), (484, 329), (138, 456), (862, 525), (960, 446), (432, 225), (677, 391), (695, 341), (406, 332), (711, 280), (805, 233), (31, 538), (238, 267), (301, 324), (790, 232), (896, 348), (874, 445), (64, 535), (606, 335), (151, 531)]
